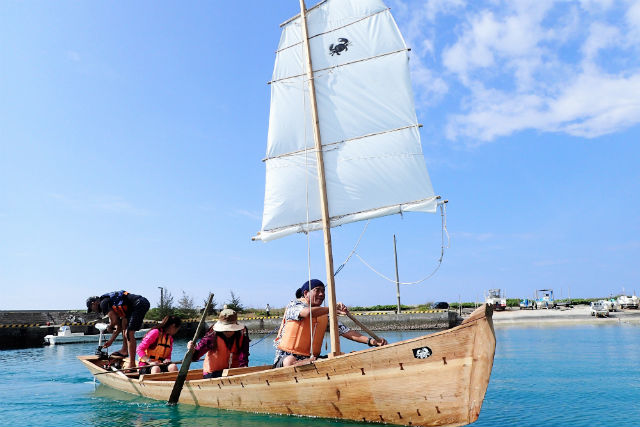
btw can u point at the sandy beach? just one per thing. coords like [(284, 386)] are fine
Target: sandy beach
[(579, 314)]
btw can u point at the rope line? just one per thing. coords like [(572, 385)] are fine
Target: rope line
[(443, 214), (353, 251), (266, 336)]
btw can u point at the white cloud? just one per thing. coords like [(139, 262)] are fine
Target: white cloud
[(596, 6), (73, 56), (248, 214), (600, 36), (633, 21), (513, 65), (594, 105)]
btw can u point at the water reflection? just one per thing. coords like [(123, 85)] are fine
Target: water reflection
[(114, 408)]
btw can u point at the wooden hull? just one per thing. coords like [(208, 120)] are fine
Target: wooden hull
[(390, 384)]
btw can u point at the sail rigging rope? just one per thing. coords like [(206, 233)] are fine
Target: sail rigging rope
[(266, 336), (443, 232)]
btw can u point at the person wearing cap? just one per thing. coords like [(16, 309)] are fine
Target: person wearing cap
[(225, 345), (126, 313), (293, 343)]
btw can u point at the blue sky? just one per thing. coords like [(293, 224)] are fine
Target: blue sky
[(131, 139)]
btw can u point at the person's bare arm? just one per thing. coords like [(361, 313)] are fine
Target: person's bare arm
[(322, 311), (115, 325), (358, 337)]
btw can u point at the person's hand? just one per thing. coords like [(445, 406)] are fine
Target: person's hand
[(341, 308), (307, 361), (189, 345), (379, 343), (107, 344)]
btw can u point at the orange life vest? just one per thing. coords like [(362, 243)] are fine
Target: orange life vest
[(297, 337), (222, 357), (161, 350)]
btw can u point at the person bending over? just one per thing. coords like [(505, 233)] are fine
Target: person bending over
[(126, 313)]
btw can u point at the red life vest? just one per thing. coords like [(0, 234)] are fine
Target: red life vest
[(297, 336), (223, 357)]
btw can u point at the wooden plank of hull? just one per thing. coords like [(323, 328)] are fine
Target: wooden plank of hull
[(385, 384)]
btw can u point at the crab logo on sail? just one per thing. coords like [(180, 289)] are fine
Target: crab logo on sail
[(340, 47), (422, 352)]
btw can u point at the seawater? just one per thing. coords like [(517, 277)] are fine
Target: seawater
[(556, 376)]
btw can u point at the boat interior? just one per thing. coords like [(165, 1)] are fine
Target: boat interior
[(194, 374)]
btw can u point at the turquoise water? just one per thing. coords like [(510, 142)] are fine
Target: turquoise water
[(570, 376)]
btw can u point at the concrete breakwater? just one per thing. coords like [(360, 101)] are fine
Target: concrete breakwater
[(20, 329), (384, 321), (27, 328)]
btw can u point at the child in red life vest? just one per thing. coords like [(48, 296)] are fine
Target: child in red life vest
[(226, 345), (156, 346)]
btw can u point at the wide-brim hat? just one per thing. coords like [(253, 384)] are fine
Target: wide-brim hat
[(227, 322)]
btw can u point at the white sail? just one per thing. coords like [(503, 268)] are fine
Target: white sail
[(373, 159)]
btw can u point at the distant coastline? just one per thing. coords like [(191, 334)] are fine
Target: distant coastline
[(19, 329), (577, 315)]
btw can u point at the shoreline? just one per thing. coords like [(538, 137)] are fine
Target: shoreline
[(578, 315)]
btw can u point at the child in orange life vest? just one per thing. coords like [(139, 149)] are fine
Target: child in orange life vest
[(226, 345), (155, 348)]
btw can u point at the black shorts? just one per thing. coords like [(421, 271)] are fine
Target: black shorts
[(135, 319), (214, 374), (147, 369)]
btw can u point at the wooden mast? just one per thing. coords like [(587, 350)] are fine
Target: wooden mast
[(326, 226)]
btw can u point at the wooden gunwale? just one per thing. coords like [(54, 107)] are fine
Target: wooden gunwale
[(385, 384)]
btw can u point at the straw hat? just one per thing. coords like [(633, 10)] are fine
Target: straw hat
[(227, 321)]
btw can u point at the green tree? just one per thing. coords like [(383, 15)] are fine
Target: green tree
[(165, 305), (235, 304), (212, 310), (186, 308)]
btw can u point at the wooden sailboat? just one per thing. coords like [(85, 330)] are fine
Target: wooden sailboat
[(435, 380), (342, 74)]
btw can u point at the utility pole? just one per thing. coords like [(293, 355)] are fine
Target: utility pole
[(161, 297)]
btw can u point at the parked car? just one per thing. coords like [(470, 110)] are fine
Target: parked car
[(628, 301), (441, 305), (497, 299), (526, 303), (598, 309), (546, 299)]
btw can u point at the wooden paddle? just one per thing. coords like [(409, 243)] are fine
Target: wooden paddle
[(135, 368), (184, 369), (364, 328)]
